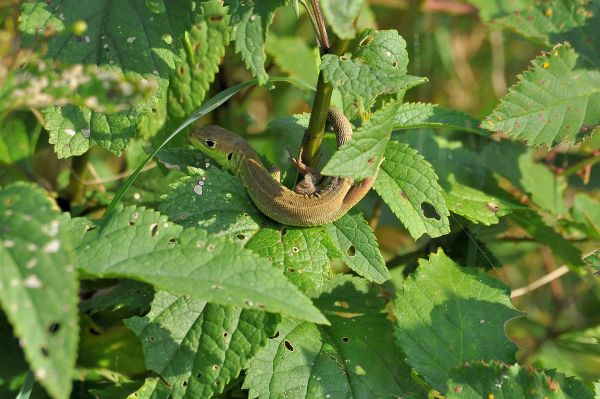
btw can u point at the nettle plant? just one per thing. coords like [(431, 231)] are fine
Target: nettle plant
[(172, 284)]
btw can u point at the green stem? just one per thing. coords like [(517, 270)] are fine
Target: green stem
[(76, 188)]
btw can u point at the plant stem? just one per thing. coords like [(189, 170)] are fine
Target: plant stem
[(76, 188)]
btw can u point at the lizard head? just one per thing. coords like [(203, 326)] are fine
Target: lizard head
[(216, 142)]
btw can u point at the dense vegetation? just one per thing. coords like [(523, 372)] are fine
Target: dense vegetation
[(132, 266)]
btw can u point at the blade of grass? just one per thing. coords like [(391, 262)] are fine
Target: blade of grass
[(204, 109), (27, 387)]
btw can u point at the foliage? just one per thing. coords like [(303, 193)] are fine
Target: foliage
[(131, 265)]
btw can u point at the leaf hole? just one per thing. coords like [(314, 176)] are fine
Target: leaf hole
[(229, 156), (366, 41), (345, 340), (429, 211), (44, 351), (276, 335), (131, 223), (283, 231), (351, 251), (225, 334), (288, 345), (395, 64), (151, 338), (291, 269), (295, 249), (53, 328), (184, 383), (93, 331), (216, 18), (172, 242), (181, 70), (210, 247), (241, 237), (199, 375), (153, 229), (215, 367)]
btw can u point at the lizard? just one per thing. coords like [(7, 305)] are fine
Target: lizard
[(306, 205)]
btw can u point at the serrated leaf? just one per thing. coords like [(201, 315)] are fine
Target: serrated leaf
[(496, 380), (552, 22), (153, 388), (203, 48), (197, 347), (408, 184), (250, 22), (73, 130), (224, 208), (358, 247), (294, 57), (354, 358), (378, 67), (38, 284), (361, 156), (420, 115), (122, 36), (555, 101), (459, 312), (189, 262), (341, 16)]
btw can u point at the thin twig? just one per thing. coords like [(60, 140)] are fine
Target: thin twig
[(548, 278), (324, 39)]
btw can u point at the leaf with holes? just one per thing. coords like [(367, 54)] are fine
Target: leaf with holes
[(251, 20), (204, 47), (121, 36), (496, 380), (153, 388), (459, 312), (361, 156), (552, 22), (408, 184), (189, 262), (354, 358), (342, 16), (419, 115), (38, 264), (555, 101), (198, 347), (215, 200), (358, 247), (378, 67)]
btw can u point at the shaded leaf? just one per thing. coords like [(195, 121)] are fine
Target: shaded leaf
[(342, 15), (460, 313), (294, 57), (420, 115), (38, 284)]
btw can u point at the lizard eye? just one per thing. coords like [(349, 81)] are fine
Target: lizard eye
[(209, 143)]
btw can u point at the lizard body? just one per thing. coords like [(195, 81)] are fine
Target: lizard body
[(297, 208)]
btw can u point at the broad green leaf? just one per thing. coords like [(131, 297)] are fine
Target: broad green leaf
[(552, 22), (214, 200), (294, 57), (489, 9), (342, 15), (189, 262), (354, 358), (153, 388), (197, 347), (458, 312), (121, 36), (557, 100), (361, 156), (38, 284), (408, 184), (73, 130), (378, 67), (586, 210), (251, 20), (358, 246), (496, 380), (419, 115), (126, 294), (593, 260), (535, 226), (203, 48), (16, 144)]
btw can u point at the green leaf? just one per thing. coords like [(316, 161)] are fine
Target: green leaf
[(127, 294), (361, 156), (459, 313), (552, 22), (38, 284), (419, 115), (378, 67), (153, 388), (189, 262), (203, 48), (493, 8), (224, 208), (294, 57), (15, 142), (495, 380), (197, 347), (341, 16), (354, 358), (408, 184), (73, 130), (593, 260), (555, 101), (358, 246), (250, 22), (586, 210)]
